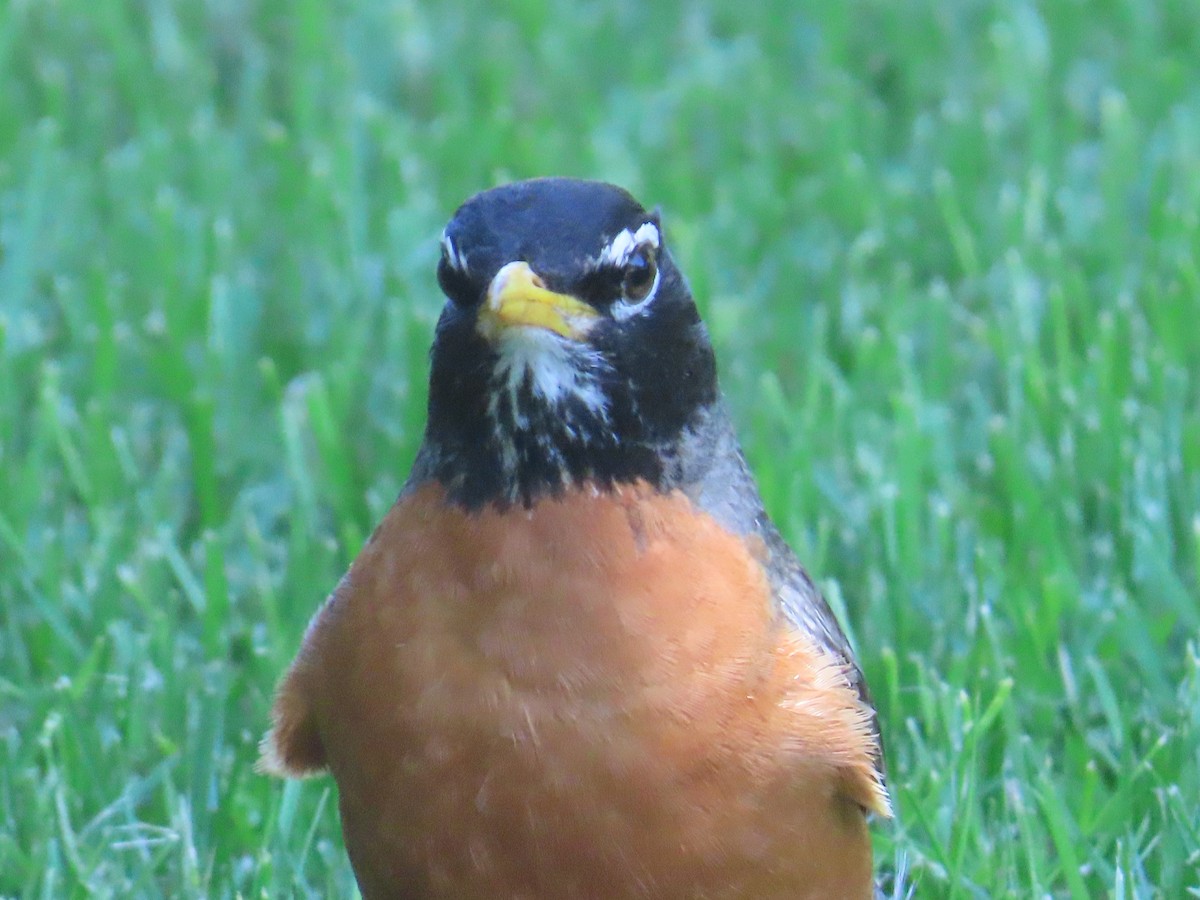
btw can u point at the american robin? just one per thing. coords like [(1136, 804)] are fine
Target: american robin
[(576, 659)]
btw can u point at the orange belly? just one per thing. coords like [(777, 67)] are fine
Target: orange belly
[(592, 699)]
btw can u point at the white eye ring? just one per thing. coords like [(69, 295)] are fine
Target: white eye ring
[(617, 254), (450, 253), (624, 308)]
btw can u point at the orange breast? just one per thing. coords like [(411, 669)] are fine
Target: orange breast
[(593, 698)]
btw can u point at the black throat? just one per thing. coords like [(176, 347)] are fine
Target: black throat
[(511, 427)]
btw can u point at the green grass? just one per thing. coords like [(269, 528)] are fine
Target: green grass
[(948, 251)]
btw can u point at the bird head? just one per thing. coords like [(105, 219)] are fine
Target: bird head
[(569, 351)]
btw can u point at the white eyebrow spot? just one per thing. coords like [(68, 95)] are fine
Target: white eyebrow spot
[(622, 246), (457, 260)]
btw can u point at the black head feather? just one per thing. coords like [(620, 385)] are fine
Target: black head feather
[(525, 415)]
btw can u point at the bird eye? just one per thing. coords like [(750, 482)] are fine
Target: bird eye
[(640, 272)]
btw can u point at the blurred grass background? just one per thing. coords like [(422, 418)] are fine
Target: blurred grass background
[(948, 251)]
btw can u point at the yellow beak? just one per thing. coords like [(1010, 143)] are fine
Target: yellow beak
[(517, 296)]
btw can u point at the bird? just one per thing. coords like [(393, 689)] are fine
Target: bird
[(576, 659)]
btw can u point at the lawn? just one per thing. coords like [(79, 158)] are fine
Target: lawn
[(948, 253)]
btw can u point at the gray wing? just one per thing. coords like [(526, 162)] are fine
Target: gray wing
[(712, 471)]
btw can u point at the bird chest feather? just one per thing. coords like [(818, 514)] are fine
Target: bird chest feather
[(590, 680)]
